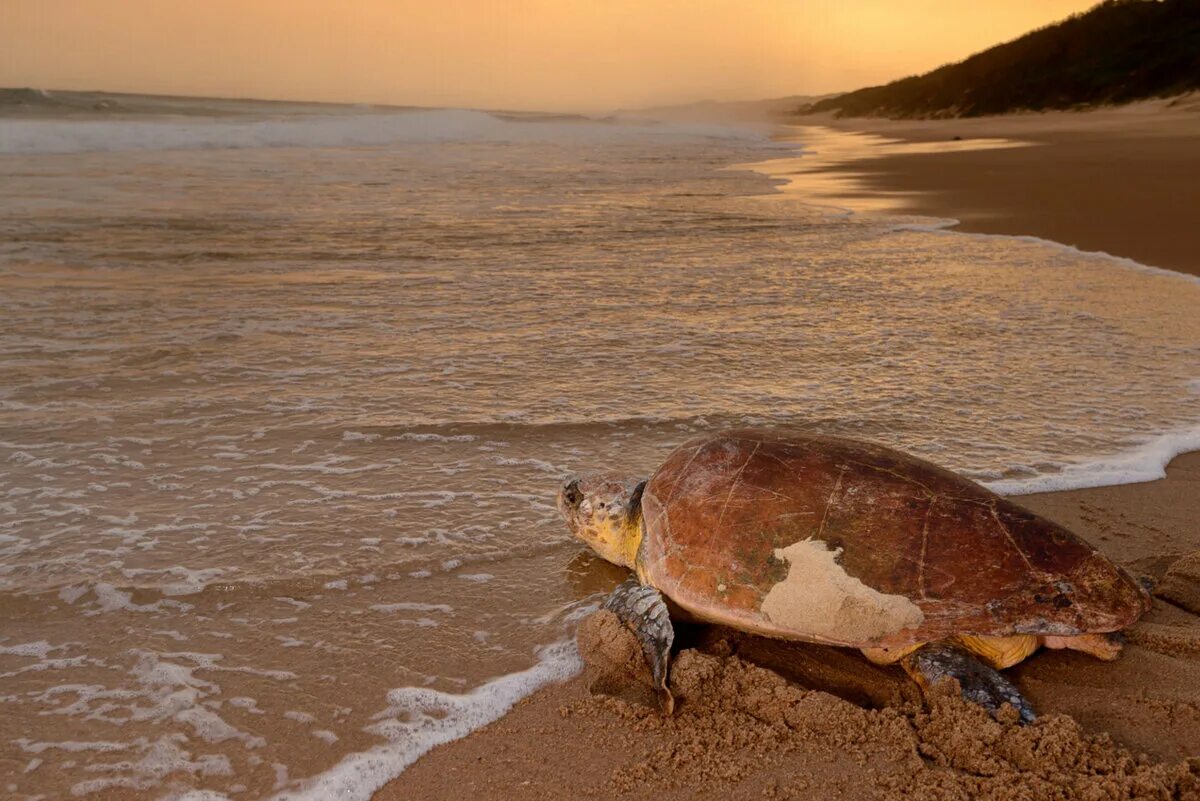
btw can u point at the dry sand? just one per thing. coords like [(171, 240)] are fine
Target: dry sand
[(1125, 180), (765, 720)]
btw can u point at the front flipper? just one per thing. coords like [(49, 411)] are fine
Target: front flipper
[(979, 683), (643, 611)]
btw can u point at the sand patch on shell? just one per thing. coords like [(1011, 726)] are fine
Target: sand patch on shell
[(820, 598)]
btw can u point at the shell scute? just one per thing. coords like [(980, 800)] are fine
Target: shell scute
[(899, 550)]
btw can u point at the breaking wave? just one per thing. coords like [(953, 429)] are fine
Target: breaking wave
[(329, 130)]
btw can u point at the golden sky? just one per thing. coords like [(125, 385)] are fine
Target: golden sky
[(585, 55)]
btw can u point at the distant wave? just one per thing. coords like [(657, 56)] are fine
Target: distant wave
[(83, 135)]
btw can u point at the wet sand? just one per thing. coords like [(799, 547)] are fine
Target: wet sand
[(1125, 181), (759, 719), (765, 720)]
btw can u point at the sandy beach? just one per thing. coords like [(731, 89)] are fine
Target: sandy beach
[(1124, 180), (762, 720)]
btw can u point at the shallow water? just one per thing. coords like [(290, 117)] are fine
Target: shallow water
[(283, 408)]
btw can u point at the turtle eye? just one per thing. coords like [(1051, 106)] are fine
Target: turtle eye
[(570, 492)]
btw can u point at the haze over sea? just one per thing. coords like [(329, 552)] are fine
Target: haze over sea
[(286, 392)]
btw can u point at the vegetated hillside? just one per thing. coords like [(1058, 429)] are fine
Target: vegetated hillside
[(1120, 50)]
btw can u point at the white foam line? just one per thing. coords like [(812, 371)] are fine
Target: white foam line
[(1146, 462), (407, 606), (418, 719), (944, 226)]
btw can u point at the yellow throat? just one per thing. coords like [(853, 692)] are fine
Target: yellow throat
[(617, 540)]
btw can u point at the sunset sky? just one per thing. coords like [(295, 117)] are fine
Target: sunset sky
[(585, 55)]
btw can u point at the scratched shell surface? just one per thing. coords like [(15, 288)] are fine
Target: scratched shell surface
[(720, 508)]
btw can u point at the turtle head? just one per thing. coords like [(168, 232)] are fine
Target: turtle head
[(605, 512)]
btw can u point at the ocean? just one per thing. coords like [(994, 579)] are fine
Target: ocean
[(287, 390)]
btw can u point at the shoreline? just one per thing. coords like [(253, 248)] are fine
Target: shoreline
[(1122, 181), (560, 741)]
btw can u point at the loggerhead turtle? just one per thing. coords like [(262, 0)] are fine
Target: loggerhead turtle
[(847, 543)]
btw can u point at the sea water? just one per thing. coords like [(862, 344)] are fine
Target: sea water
[(286, 394)]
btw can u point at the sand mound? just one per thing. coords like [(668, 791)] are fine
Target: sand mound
[(1181, 585), (737, 723)]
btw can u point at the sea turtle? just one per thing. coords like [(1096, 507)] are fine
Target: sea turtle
[(837, 541)]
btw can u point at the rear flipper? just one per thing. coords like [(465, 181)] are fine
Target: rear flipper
[(979, 683), (643, 611), (1101, 646)]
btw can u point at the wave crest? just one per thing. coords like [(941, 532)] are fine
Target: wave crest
[(19, 136)]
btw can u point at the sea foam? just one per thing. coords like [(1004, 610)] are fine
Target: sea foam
[(419, 719), (1146, 462)]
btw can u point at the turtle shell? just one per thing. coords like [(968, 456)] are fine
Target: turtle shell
[(849, 543)]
